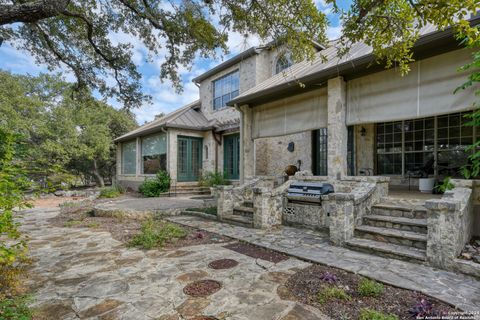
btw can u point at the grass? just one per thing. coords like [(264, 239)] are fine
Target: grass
[(110, 192), (93, 225), (15, 308), (209, 210), (329, 293), (368, 314), (156, 234), (370, 288), (73, 223)]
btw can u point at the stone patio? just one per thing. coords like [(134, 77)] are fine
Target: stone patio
[(79, 273), (457, 289)]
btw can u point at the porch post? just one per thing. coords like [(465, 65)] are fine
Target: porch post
[(337, 128), (246, 143)]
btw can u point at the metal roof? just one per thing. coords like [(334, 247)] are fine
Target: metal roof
[(327, 64), (188, 117)]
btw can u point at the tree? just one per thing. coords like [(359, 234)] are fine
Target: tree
[(78, 34)]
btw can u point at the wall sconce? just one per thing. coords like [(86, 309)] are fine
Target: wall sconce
[(363, 132)]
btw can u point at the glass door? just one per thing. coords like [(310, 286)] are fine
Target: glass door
[(231, 156), (189, 162)]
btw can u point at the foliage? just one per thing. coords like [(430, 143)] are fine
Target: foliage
[(368, 314), (154, 187), (332, 293), (422, 309), (94, 39), (370, 288), (211, 179), (156, 234), (110, 192), (445, 185), (329, 277), (15, 308)]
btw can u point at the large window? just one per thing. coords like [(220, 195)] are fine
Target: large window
[(320, 147), (409, 145), (129, 157), (154, 153), (225, 89)]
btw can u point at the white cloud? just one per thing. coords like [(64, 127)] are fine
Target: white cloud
[(334, 32)]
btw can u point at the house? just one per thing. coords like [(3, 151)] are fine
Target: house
[(203, 135)]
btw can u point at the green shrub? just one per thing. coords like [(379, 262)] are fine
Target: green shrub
[(332, 293), (15, 308), (156, 234), (110, 192), (370, 288), (154, 187), (211, 179), (368, 314)]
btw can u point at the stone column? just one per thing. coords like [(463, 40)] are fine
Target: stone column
[(267, 209), (224, 201), (247, 156), (342, 218), (337, 128)]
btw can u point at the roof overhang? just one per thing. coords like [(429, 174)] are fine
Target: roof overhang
[(161, 128), (429, 45)]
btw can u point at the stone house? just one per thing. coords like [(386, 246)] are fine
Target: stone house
[(203, 136)]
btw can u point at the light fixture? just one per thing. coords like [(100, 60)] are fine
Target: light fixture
[(363, 132)]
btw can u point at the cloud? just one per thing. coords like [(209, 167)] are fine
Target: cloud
[(334, 32)]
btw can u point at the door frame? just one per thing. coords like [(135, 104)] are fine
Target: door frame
[(190, 177), (235, 156)]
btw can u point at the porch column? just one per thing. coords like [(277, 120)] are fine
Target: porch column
[(337, 128), (246, 143)]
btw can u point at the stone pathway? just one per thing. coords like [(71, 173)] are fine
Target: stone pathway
[(457, 289), (79, 273)]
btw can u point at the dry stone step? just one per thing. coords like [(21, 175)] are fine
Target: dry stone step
[(387, 249), (248, 203), (400, 223), (413, 212), (238, 220), (243, 211), (393, 236)]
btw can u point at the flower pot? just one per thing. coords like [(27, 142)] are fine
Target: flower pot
[(426, 185)]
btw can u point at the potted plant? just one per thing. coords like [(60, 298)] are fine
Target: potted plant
[(426, 185)]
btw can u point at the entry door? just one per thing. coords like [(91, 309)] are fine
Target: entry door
[(189, 158), (231, 156)]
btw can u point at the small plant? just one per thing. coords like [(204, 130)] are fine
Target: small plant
[(422, 309), (156, 234), (212, 179), (72, 223), (15, 308), (208, 210), (368, 314), (93, 225), (329, 277), (370, 288), (445, 185), (332, 293), (154, 187), (110, 192)]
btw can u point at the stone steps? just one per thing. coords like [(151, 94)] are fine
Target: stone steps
[(400, 223), (238, 220), (184, 193), (248, 203), (388, 250), (394, 236), (243, 211), (399, 210)]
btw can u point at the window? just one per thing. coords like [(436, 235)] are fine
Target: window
[(351, 151), (154, 153), (129, 157), (225, 89), (320, 144), (283, 62), (408, 145)]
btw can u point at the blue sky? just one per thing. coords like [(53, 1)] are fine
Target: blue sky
[(164, 97)]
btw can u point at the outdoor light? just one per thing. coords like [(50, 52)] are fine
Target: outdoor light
[(363, 132)]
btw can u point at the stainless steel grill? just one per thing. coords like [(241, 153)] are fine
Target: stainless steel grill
[(308, 192)]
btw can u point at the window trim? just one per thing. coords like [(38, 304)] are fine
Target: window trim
[(230, 93), (287, 55), (142, 161), (123, 162)]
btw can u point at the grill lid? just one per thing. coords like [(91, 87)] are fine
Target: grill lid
[(308, 191)]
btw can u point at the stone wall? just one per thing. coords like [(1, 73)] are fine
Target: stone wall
[(364, 148), (272, 156)]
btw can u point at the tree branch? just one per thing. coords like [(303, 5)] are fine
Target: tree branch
[(31, 11)]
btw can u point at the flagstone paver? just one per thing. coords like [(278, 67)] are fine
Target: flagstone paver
[(79, 273), (457, 289)]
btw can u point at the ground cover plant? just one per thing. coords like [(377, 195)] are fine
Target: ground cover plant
[(212, 179), (110, 192), (154, 187), (156, 234), (344, 295)]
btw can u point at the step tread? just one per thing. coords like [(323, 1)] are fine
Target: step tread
[(244, 209), (400, 207), (398, 220), (393, 233), (395, 249), (246, 221)]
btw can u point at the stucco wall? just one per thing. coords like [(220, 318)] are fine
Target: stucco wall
[(272, 156)]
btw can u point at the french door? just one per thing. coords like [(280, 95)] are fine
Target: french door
[(231, 156), (189, 160)]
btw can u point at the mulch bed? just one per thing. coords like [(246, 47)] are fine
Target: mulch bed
[(472, 250), (202, 288), (223, 264), (305, 285), (81, 216), (257, 252)]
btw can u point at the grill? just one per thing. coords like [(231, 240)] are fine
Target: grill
[(308, 192)]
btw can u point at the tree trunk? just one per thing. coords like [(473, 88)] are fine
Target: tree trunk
[(98, 177), (31, 11)]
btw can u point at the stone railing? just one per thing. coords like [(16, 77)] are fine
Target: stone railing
[(450, 224), (268, 205)]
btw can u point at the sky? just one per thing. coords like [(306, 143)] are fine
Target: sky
[(164, 97)]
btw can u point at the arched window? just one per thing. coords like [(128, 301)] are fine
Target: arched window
[(283, 62)]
